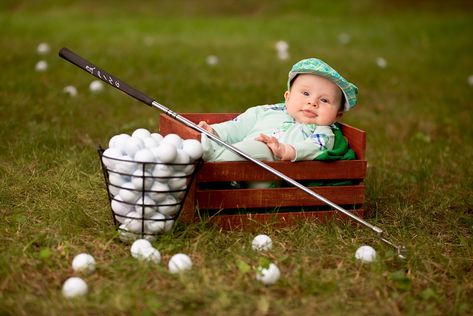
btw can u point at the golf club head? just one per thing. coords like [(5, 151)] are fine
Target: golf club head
[(402, 252)]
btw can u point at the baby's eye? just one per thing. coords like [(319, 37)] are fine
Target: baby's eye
[(324, 100), (305, 93)]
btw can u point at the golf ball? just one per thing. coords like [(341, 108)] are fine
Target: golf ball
[(156, 223), (158, 191), (41, 66), (138, 246), (128, 193), (134, 224), (365, 254), (169, 206), (174, 140), (381, 62), (110, 156), (144, 155), (150, 142), (124, 234), (83, 262), (166, 152), (162, 172), (179, 262), (141, 133), (150, 254), (281, 46), (119, 142), (211, 60), (262, 243), (145, 207), (178, 181), (132, 146), (193, 148), (73, 287), (157, 137), (43, 48), (120, 209), (70, 90), (268, 275), (142, 180), (96, 86)]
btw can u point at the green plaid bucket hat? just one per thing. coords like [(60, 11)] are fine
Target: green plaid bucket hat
[(318, 67)]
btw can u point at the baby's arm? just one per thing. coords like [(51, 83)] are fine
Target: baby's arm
[(280, 150)]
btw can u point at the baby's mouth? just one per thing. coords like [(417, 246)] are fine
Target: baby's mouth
[(309, 114)]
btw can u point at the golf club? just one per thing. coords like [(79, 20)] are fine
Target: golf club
[(118, 84)]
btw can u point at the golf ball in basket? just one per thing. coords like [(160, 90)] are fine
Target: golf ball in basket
[(173, 139), (145, 207), (119, 142), (156, 223), (138, 246), (262, 243), (157, 137), (179, 262), (83, 262), (193, 148), (178, 181), (365, 254), (41, 66), (141, 133), (169, 206), (142, 179), (150, 142), (126, 235), (96, 86), (162, 172), (134, 223), (43, 48), (268, 275), (132, 146), (158, 191), (109, 157), (120, 209), (166, 152), (73, 287), (128, 193)]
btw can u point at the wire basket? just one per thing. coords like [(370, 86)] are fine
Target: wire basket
[(145, 198)]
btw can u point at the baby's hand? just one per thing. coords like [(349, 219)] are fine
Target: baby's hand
[(207, 127), (280, 151)]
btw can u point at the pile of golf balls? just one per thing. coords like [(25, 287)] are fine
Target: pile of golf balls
[(147, 178)]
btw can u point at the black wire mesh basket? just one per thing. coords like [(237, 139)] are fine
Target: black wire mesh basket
[(145, 198)]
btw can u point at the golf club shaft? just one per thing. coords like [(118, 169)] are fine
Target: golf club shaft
[(118, 84)]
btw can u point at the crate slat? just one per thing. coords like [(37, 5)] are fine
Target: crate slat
[(302, 170), (277, 197)]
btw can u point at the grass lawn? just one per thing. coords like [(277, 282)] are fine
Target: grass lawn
[(416, 111)]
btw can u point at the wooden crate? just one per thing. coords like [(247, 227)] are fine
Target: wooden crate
[(232, 208)]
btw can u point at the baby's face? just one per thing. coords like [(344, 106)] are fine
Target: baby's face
[(314, 100)]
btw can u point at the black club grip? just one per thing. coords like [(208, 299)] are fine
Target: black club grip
[(103, 75)]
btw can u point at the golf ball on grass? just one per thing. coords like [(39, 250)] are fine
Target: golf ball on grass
[(262, 243), (74, 287), (138, 246), (179, 263), (41, 66), (96, 86), (70, 90), (269, 275), (84, 263), (43, 48), (365, 254), (150, 254)]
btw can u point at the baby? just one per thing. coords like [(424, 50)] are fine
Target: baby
[(301, 128)]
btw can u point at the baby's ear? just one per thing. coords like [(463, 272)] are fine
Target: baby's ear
[(286, 95), (339, 114)]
